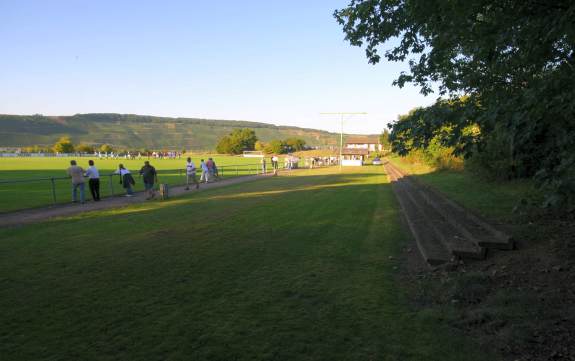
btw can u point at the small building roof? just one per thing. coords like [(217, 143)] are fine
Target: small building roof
[(362, 139), (354, 151)]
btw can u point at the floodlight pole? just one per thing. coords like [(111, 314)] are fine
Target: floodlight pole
[(341, 114)]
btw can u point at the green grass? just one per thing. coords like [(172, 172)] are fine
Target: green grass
[(285, 268), (14, 196), (492, 199)]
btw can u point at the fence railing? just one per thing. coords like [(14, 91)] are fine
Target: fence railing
[(17, 194), (41, 191)]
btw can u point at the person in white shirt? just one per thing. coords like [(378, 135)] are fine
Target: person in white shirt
[(93, 180), (275, 160), (205, 172), (191, 174)]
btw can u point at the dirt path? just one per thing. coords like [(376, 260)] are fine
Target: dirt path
[(41, 214)]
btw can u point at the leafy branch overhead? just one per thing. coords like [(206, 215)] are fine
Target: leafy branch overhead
[(513, 63)]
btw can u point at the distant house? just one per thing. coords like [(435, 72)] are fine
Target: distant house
[(371, 143), (357, 148), (353, 157)]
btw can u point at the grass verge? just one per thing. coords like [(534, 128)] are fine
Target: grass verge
[(288, 268)]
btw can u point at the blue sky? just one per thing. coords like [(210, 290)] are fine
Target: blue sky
[(280, 62)]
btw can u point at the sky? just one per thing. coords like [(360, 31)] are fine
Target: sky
[(279, 62)]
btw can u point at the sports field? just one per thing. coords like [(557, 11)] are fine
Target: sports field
[(298, 267), (36, 187)]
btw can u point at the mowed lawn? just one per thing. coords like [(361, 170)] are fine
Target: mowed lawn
[(25, 183), (296, 267)]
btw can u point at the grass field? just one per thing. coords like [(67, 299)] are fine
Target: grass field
[(35, 193), (297, 267)]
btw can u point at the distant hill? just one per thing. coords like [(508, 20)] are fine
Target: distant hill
[(141, 131)]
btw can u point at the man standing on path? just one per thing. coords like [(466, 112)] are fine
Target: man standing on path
[(77, 175), (93, 180), (191, 174), (150, 176), (263, 165), (275, 160), (205, 172)]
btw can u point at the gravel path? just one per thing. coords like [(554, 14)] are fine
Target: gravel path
[(41, 214)]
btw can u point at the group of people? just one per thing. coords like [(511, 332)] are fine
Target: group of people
[(147, 172), (138, 155), (78, 175)]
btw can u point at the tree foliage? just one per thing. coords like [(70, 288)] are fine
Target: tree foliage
[(289, 145), (85, 148), (106, 148), (294, 144), (514, 62), (384, 139), (63, 145), (275, 146), (238, 141)]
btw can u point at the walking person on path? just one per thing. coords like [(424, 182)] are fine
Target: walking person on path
[(210, 164), (150, 176), (205, 172), (126, 180), (77, 175), (191, 174), (93, 180)]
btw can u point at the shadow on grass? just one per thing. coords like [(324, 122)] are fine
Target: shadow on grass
[(284, 268), (252, 191)]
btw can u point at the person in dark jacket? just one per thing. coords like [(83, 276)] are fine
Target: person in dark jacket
[(126, 180), (150, 176)]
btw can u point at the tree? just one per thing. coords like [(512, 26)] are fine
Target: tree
[(514, 61), (225, 146), (259, 146), (295, 144), (106, 148), (37, 149), (238, 141), (384, 139), (276, 146), (85, 148), (63, 145)]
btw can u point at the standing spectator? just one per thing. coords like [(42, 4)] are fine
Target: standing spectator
[(210, 164), (205, 172), (150, 176), (93, 180), (275, 160), (191, 174), (263, 165), (215, 169), (126, 180), (77, 175)]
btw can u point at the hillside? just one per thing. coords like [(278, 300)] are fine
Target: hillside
[(140, 131)]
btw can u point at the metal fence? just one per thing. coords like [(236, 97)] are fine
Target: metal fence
[(36, 192), (18, 194)]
